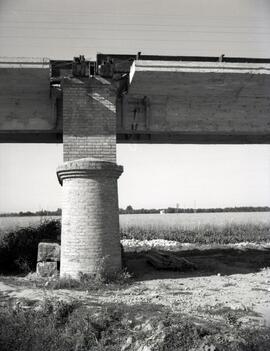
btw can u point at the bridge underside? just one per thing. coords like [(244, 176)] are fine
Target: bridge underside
[(39, 136), (157, 100)]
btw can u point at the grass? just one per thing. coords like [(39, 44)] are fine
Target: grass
[(86, 282), (207, 234), (55, 325)]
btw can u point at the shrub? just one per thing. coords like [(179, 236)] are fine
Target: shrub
[(18, 249), (59, 325)]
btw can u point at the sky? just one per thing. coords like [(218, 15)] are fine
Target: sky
[(154, 175)]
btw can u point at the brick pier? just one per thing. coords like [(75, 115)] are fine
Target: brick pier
[(90, 220)]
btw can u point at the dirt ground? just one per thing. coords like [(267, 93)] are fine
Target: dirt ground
[(226, 280)]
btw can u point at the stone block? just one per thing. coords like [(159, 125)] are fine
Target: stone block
[(48, 252), (46, 269)]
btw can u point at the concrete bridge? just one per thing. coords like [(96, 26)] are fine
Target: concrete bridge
[(92, 105)]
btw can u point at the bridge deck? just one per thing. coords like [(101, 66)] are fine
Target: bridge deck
[(166, 101)]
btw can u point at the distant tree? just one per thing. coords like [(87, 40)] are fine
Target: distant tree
[(170, 210), (129, 209)]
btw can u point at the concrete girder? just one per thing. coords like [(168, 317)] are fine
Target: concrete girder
[(161, 101)]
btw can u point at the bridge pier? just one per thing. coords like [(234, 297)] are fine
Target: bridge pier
[(90, 220)]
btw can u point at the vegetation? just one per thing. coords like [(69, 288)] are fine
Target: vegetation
[(130, 210), (58, 325), (41, 213), (208, 234), (66, 326), (90, 283), (18, 249), (101, 280)]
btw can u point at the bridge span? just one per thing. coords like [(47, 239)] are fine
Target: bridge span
[(89, 106), (157, 99)]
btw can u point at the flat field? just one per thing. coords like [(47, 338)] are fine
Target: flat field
[(202, 228), (176, 220), (13, 223), (195, 220)]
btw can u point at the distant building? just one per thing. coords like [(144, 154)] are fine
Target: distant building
[(162, 212)]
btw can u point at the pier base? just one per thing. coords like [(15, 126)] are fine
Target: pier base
[(90, 219)]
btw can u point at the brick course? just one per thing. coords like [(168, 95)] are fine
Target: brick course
[(89, 125), (90, 220)]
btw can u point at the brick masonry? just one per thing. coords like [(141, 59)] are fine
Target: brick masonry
[(90, 220), (89, 119)]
